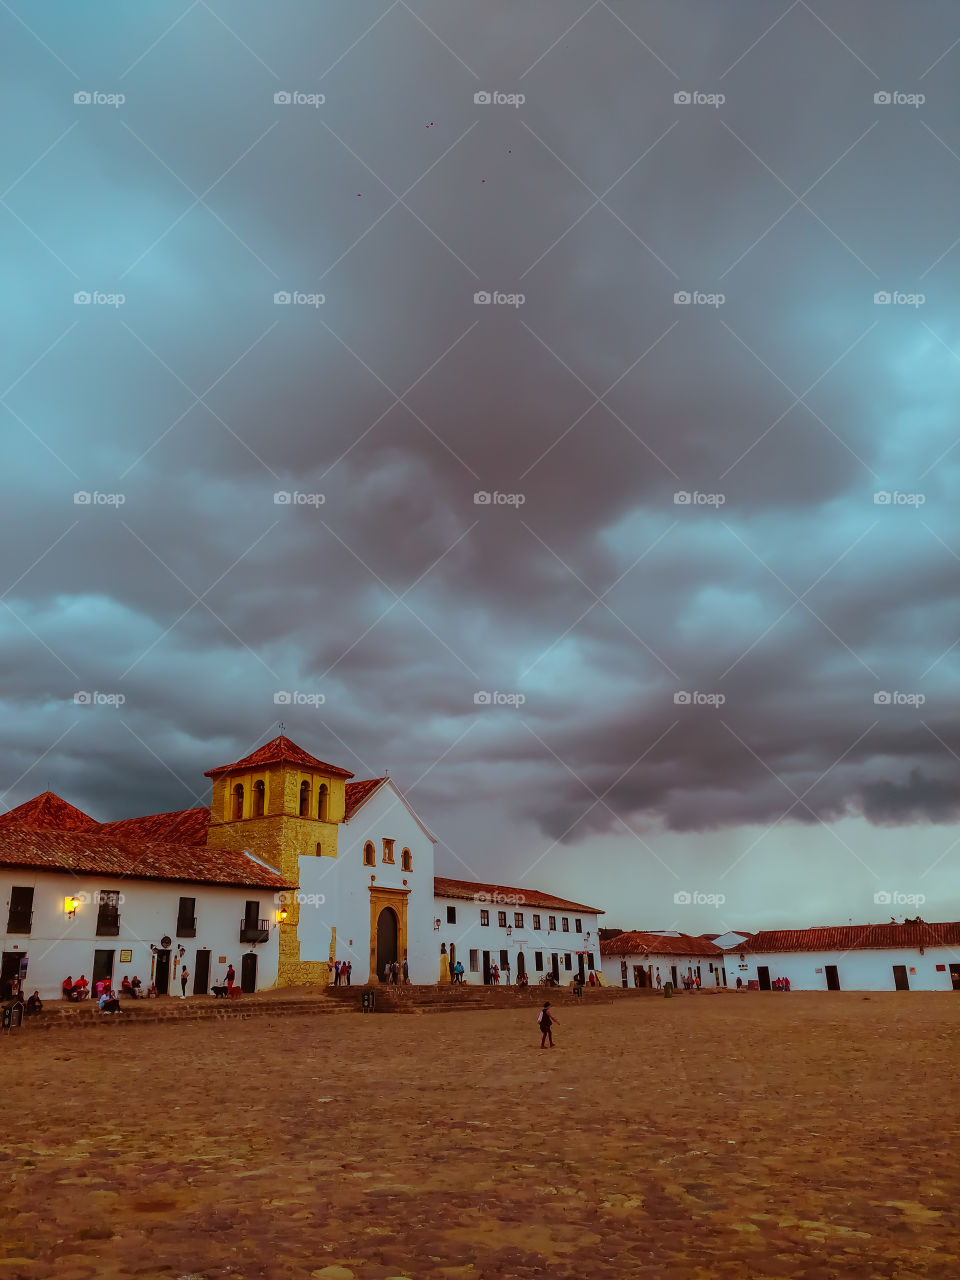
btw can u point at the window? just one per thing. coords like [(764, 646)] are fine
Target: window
[(538, 961), (369, 855), (565, 922), (502, 919), (504, 960), (238, 801), (20, 919), (568, 961), (108, 915), (187, 918), (388, 849), (536, 922), (406, 860), (578, 925), (319, 849), (484, 916), (553, 921), (322, 802), (304, 799), (451, 915), (474, 961), (518, 919), (259, 799)]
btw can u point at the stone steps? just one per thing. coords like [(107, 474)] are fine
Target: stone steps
[(87, 1017)]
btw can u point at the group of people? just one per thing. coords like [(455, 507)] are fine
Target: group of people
[(691, 982), (131, 988), (780, 984), (342, 971), (32, 1006), (396, 973)]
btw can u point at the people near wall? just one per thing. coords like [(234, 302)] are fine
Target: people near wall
[(592, 979), (349, 971), (659, 980), (81, 987), (458, 973), (136, 987), (786, 984), (406, 972), (34, 1005), (231, 977), (184, 978), (522, 979), (336, 973), (66, 988), (506, 972), (545, 1021), (108, 1002), (126, 987), (495, 975), (697, 981), (739, 984)]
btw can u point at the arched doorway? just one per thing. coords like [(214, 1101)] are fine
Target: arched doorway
[(386, 939), (521, 966)]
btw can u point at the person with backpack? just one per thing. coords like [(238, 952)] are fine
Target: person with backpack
[(545, 1021)]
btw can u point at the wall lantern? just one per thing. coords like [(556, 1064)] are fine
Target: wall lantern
[(436, 924), (509, 930), (921, 950), (282, 915), (70, 904)]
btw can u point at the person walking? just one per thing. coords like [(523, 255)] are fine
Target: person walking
[(184, 976), (231, 977), (545, 1021), (659, 980)]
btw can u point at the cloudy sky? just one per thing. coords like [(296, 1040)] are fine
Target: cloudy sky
[(701, 638)]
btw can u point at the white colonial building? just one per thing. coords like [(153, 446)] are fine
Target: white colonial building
[(518, 931), (654, 959), (913, 956)]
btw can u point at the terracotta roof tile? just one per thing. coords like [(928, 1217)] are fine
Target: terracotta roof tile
[(658, 944), (183, 826), (280, 750), (119, 857), (852, 937), (358, 792), (48, 812), (470, 889)]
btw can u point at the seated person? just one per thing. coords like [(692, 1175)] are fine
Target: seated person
[(34, 1005), (108, 1002), (80, 987), (135, 986), (67, 988), (126, 986)]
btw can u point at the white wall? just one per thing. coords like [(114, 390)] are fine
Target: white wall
[(684, 964), (345, 882), (856, 970), (467, 934), (59, 945)]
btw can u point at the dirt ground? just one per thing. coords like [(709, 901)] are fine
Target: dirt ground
[(757, 1135)]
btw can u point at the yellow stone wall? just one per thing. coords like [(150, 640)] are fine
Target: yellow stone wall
[(280, 838)]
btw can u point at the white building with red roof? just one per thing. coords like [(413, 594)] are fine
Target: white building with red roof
[(652, 959)]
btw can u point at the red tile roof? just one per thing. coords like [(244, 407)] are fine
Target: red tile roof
[(496, 893), (658, 944), (852, 937), (120, 858), (48, 812), (358, 792), (183, 826), (280, 750)]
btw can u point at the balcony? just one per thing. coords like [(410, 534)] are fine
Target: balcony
[(187, 927), (108, 924), (251, 931), (19, 922)]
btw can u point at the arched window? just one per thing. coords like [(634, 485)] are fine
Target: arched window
[(259, 798), (238, 801), (304, 799), (406, 860), (369, 855), (322, 802), (319, 849)]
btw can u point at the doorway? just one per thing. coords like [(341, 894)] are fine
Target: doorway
[(900, 980), (161, 975), (9, 969), (102, 969), (387, 932), (833, 978), (453, 958), (486, 968), (248, 972), (201, 973), (763, 977), (673, 976), (521, 966), (955, 976), (555, 967), (580, 969), (639, 977)]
